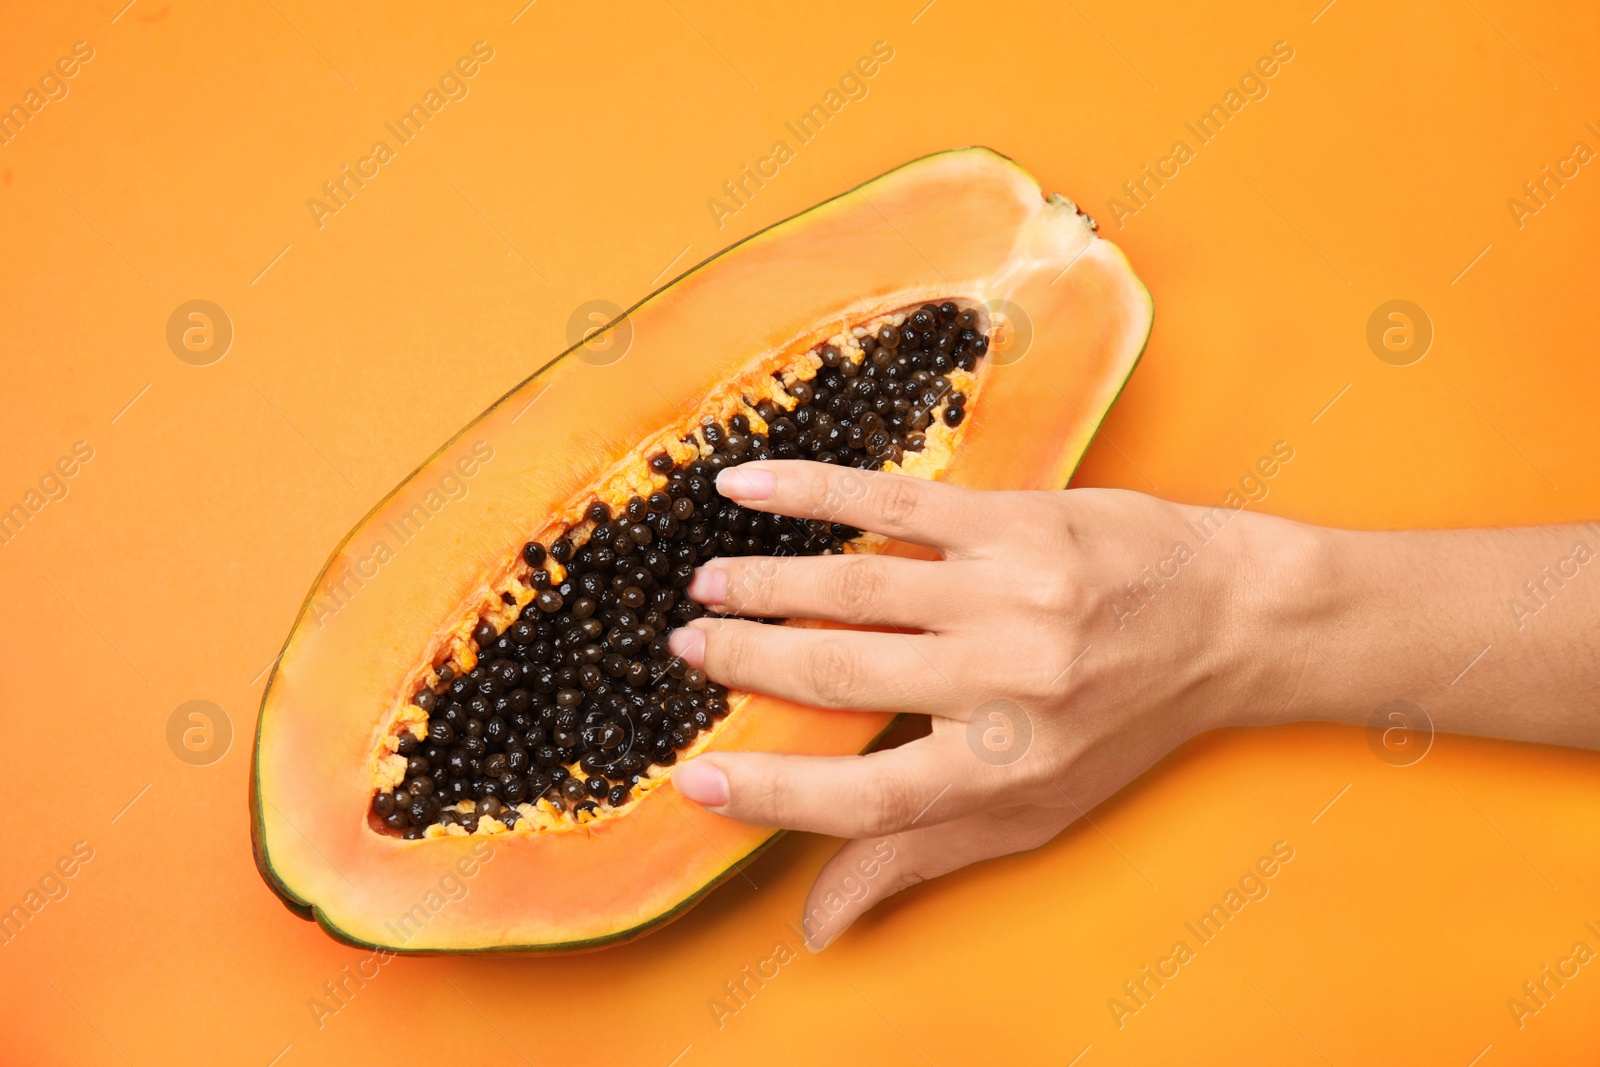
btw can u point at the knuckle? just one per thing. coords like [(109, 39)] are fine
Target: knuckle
[(832, 671), (1050, 592), (830, 490), (897, 500), (857, 586), (886, 807), (769, 797)]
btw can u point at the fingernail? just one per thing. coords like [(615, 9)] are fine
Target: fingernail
[(743, 483), (814, 946), (709, 585), (688, 645), (702, 782)]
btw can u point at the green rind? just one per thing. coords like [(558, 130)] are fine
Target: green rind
[(306, 909)]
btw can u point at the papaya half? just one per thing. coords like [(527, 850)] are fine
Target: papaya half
[(467, 741)]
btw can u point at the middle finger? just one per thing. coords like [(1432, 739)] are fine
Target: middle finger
[(867, 590)]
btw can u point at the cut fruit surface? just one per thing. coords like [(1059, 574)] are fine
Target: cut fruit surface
[(477, 687), (554, 702)]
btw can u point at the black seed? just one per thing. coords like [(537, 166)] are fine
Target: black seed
[(583, 678)]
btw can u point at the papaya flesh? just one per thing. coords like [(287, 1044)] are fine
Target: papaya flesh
[(432, 581)]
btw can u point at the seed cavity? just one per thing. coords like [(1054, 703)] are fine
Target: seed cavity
[(554, 714)]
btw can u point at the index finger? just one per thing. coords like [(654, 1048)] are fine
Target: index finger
[(923, 512)]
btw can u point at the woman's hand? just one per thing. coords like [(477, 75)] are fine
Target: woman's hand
[(1064, 643)]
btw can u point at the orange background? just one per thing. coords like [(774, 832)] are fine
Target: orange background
[(579, 168)]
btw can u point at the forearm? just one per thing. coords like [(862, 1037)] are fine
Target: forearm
[(1493, 632)]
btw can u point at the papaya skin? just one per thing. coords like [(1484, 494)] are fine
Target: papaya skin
[(994, 237)]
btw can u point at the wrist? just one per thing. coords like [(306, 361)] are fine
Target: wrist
[(1284, 586)]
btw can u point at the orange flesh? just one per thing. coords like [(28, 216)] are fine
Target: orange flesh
[(967, 224)]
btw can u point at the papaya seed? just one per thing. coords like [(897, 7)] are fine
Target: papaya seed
[(572, 699)]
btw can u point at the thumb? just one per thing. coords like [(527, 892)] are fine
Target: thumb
[(865, 872)]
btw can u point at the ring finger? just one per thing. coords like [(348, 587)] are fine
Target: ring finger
[(859, 670)]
